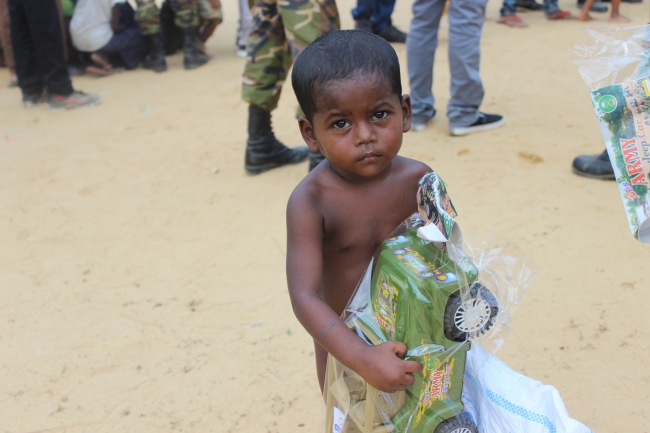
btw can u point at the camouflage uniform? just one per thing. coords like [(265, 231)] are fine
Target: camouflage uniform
[(148, 16), (281, 30)]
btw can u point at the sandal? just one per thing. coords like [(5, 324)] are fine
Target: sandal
[(560, 15), (512, 20)]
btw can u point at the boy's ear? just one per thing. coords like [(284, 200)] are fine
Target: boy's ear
[(407, 113), (307, 131)]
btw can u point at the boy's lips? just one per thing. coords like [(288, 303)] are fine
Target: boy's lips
[(369, 157)]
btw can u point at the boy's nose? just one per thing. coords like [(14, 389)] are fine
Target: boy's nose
[(365, 133)]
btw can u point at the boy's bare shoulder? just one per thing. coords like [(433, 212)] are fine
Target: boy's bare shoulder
[(309, 191), (410, 169)]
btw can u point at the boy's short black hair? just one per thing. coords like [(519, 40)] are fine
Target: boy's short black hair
[(339, 55)]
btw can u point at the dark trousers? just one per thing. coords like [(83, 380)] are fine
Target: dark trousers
[(38, 47), (379, 11)]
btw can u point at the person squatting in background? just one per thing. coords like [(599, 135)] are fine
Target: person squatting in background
[(281, 30), (37, 42), (187, 19), (107, 30), (210, 16)]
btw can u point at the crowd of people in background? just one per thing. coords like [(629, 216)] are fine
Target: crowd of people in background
[(44, 42)]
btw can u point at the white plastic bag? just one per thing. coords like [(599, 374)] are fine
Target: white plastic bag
[(500, 400)]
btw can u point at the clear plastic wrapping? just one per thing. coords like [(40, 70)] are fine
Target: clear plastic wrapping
[(439, 297), (615, 64), (608, 55)]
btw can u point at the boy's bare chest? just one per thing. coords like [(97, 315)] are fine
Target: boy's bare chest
[(362, 223)]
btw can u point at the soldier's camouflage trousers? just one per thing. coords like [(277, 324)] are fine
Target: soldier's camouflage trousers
[(148, 15), (281, 30)]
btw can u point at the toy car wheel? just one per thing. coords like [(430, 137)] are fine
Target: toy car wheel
[(457, 424), (470, 318)]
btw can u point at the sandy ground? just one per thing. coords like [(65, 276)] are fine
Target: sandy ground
[(142, 292)]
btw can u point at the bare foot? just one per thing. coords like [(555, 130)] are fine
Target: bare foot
[(619, 19), (102, 60), (584, 16), (103, 72)]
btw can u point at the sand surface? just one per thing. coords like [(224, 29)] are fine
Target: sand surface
[(143, 292)]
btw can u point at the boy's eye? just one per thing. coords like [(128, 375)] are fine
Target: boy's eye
[(380, 115), (341, 124)]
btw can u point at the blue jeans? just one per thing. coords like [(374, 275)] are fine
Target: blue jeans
[(550, 7), (378, 11), (508, 7), (129, 45)]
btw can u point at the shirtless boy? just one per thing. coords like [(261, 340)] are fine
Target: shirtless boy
[(348, 85)]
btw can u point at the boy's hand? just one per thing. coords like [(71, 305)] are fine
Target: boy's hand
[(385, 369)]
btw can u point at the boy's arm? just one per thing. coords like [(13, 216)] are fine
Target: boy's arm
[(380, 365)]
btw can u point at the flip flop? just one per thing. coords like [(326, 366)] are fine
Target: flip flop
[(512, 20), (560, 15), (103, 72)]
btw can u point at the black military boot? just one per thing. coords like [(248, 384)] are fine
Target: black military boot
[(156, 58), (192, 58), (263, 150), (315, 158), (595, 166)]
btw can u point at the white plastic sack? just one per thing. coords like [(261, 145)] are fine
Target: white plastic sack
[(500, 400)]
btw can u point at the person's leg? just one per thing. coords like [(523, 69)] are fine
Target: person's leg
[(41, 19), (129, 45), (420, 52), (210, 16), (466, 19), (28, 68), (552, 11), (244, 28), (616, 17), (509, 15), (583, 14), (381, 17), (187, 19), (300, 33), (101, 58), (5, 40), (365, 10), (551, 7), (508, 7), (266, 69), (382, 24), (267, 64), (148, 18)]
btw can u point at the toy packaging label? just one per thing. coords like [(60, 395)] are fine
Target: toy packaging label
[(623, 111), (434, 201)]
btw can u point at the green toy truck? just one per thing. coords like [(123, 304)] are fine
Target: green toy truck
[(416, 298)]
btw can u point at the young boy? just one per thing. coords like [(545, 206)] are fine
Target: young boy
[(348, 85)]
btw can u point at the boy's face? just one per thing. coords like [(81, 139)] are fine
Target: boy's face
[(358, 126)]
